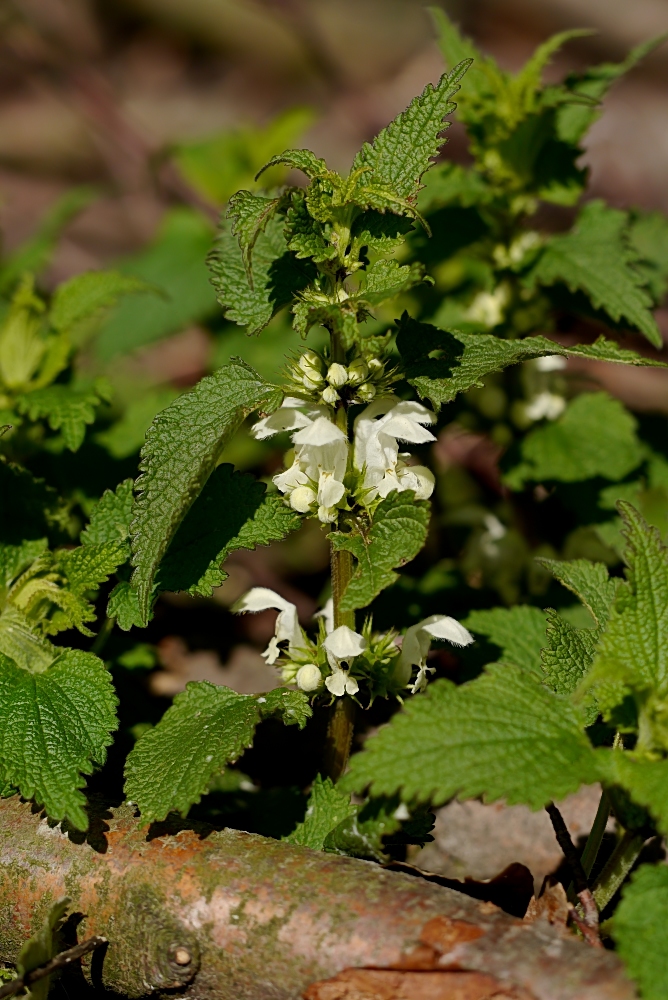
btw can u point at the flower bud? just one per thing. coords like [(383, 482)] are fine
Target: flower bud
[(311, 384), (376, 367), (330, 395), (366, 392), (358, 371), (311, 364), (337, 375), (301, 498), (308, 677)]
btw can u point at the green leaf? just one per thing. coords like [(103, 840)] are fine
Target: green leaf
[(299, 159), (86, 295), (87, 566), (465, 358), (608, 350), (361, 834), (386, 278), (639, 930), (589, 581), (277, 275), (180, 453), (41, 948), (67, 410), (502, 735), (379, 231), (110, 517), (574, 119), (645, 780), (305, 235), (596, 258), (451, 184), (232, 512), (123, 606), (173, 263), (54, 726), (595, 436), (250, 214), (206, 729), (327, 807), (633, 651), (568, 655), (14, 559), (455, 48), (397, 532), (23, 643), (519, 633), (648, 235), (403, 151)]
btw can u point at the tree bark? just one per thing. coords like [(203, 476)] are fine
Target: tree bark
[(234, 916)]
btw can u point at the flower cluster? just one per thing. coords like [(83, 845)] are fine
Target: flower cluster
[(362, 378), (318, 478), (341, 658)]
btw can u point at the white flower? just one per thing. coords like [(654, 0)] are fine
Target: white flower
[(340, 682), (358, 371), (494, 532), (308, 677), (330, 395), (378, 429), (342, 645), (545, 404), (287, 623), (301, 498), (417, 642), (366, 392), (550, 363), (288, 417), (310, 364), (488, 308), (337, 375)]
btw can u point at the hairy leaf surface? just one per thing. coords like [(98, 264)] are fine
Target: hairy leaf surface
[(206, 729), (589, 581), (110, 518), (502, 735), (232, 512), (596, 258), (403, 150), (67, 410), (395, 536), (519, 632), (54, 726), (327, 808), (639, 930), (180, 453), (250, 214), (85, 295)]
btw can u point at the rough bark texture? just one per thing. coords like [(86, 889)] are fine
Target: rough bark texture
[(263, 920)]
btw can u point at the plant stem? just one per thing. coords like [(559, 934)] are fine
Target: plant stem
[(582, 890), (619, 864), (100, 640), (342, 713)]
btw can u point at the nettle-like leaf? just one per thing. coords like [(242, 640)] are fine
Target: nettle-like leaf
[(597, 258), (206, 729), (123, 607), (397, 532), (250, 215), (595, 436), (502, 735), (386, 278), (589, 581), (402, 152), (632, 654), (646, 781), (519, 632), (299, 159), (180, 453), (66, 409), (86, 295), (381, 232), (648, 235), (41, 948), (24, 643), (327, 808), (639, 930), (464, 359), (232, 512), (305, 235), (110, 518), (277, 275), (54, 727)]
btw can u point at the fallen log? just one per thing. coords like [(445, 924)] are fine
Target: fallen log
[(234, 916)]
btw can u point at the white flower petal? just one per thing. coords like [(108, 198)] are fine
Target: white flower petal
[(291, 478), (336, 683), (320, 431), (327, 514), (444, 627), (261, 599), (337, 375), (343, 644), (352, 687), (330, 490), (421, 479), (550, 363)]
